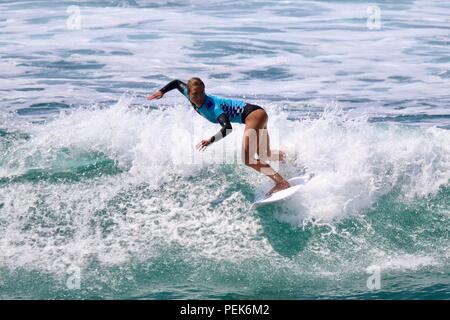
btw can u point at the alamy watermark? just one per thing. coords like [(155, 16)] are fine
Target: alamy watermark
[(71, 275), (73, 281), (255, 151), (374, 18), (374, 280), (73, 22)]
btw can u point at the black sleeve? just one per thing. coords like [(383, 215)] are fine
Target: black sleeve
[(180, 85), (226, 128)]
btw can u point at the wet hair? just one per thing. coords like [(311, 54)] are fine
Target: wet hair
[(195, 82)]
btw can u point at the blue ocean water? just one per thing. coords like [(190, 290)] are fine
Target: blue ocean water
[(100, 198)]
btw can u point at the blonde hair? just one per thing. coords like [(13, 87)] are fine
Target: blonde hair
[(195, 82)]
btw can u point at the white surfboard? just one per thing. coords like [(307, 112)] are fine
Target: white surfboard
[(296, 184)]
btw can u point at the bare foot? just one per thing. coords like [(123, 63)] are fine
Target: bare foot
[(278, 187)]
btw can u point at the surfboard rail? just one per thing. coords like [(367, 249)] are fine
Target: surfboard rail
[(296, 184)]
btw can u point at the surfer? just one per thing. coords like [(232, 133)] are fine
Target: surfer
[(224, 111)]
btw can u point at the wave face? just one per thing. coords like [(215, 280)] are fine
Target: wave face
[(102, 194)]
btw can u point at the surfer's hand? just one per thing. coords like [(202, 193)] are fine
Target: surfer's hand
[(203, 144), (156, 95)]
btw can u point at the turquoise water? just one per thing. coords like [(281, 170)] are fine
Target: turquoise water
[(103, 196)]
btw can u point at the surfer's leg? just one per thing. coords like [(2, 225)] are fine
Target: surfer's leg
[(249, 149), (250, 145), (270, 155)]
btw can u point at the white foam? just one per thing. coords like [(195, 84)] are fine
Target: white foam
[(160, 200), (355, 162), (406, 262)]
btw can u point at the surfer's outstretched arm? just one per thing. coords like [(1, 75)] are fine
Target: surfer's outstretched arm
[(174, 84), (225, 130)]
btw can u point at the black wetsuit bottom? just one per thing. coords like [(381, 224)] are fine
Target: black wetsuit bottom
[(249, 108)]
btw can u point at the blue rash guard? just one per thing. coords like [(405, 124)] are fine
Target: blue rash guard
[(216, 109), (214, 106)]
